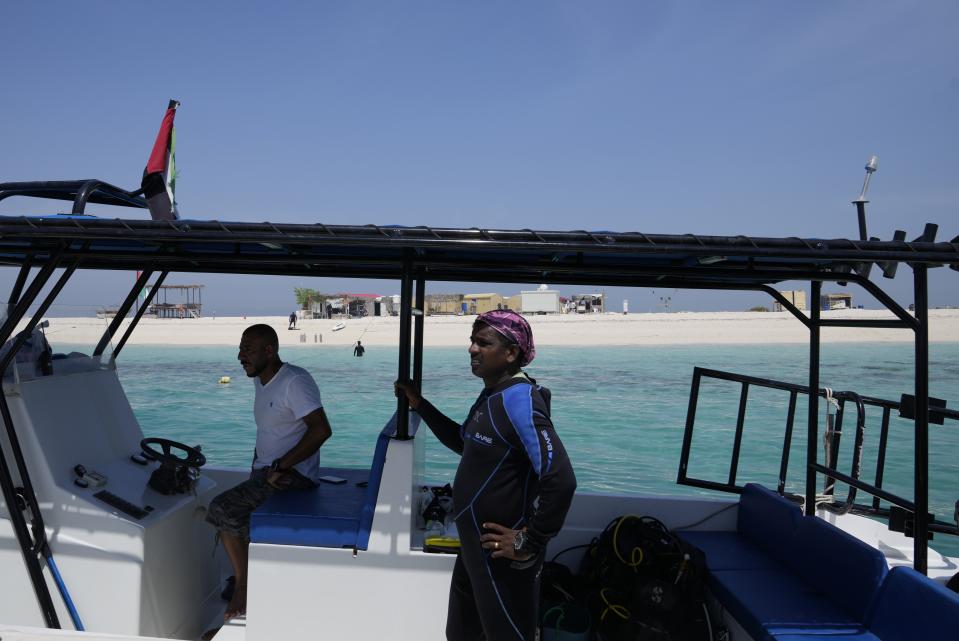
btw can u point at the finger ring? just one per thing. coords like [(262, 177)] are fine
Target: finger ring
[(496, 545)]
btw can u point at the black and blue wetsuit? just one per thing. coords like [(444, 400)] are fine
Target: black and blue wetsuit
[(514, 471)]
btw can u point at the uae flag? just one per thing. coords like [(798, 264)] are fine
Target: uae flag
[(159, 177)]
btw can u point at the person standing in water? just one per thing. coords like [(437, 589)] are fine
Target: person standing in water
[(359, 349)]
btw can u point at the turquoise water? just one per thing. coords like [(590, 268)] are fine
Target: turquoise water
[(620, 411)]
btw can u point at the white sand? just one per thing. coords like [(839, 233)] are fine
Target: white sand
[(679, 328)]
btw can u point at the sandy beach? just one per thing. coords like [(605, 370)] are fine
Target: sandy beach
[(677, 328)]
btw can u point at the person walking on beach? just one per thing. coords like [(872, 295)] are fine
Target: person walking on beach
[(359, 349), (292, 320), (513, 485), (291, 425)]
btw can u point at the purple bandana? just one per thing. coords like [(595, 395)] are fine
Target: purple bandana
[(515, 328)]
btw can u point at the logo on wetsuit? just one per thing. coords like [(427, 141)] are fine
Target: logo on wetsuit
[(549, 448), (549, 443), (485, 440)]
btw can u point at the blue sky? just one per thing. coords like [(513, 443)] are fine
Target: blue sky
[(666, 117)]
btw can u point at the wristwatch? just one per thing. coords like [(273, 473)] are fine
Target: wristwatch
[(522, 543), (275, 466)]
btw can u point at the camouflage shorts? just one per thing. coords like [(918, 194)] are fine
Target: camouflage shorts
[(230, 511)]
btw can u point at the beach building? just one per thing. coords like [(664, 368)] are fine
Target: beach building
[(539, 301), (383, 306), (361, 305), (835, 301), (350, 306), (317, 309), (796, 297), (586, 304), (334, 307), (444, 304), (188, 305), (482, 303)]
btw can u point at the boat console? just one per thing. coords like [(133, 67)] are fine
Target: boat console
[(136, 559)]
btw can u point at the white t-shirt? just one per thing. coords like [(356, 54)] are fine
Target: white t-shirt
[(279, 408)]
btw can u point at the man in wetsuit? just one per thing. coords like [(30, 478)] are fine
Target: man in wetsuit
[(513, 486)]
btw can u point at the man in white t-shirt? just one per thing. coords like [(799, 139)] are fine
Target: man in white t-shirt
[(290, 428)]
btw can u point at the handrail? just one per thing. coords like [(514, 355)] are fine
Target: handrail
[(857, 447), (830, 471), (80, 192)]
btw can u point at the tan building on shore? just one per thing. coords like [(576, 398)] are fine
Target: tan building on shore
[(482, 303), (444, 304), (796, 297)]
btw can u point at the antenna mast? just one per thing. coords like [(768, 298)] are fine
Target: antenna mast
[(871, 166)]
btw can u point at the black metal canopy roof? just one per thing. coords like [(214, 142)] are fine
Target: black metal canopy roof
[(440, 254), (370, 251)]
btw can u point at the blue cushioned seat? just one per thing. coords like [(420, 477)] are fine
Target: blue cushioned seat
[(912, 606), (826, 636), (333, 516), (729, 551), (766, 529), (767, 602), (909, 607), (782, 574), (847, 570), (767, 520), (326, 516)]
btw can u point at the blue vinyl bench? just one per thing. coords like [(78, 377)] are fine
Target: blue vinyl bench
[(785, 576), (331, 516), (909, 607)]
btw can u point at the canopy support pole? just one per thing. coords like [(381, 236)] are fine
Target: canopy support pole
[(812, 437), (136, 318), (921, 515), (418, 333), (403, 373), (123, 311)]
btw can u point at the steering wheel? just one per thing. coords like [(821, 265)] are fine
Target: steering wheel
[(192, 456)]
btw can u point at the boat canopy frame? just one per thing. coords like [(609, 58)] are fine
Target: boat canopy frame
[(417, 254)]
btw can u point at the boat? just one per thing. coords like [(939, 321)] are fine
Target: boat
[(89, 547), (339, 326)]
